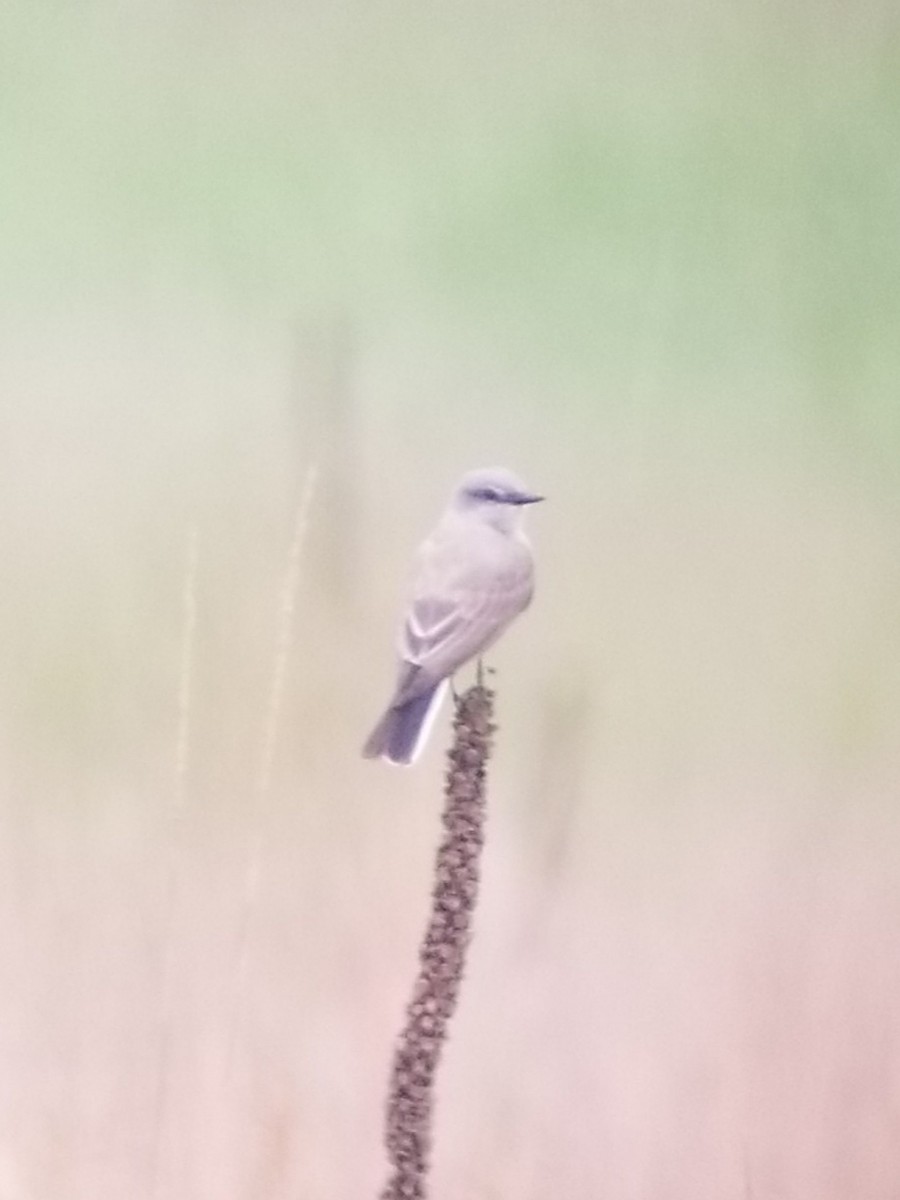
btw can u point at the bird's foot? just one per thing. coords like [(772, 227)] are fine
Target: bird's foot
[(482, 670)]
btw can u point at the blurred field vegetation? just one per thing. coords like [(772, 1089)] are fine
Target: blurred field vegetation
[(649, 257)]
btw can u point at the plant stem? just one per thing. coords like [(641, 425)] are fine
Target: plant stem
[(443, 949)]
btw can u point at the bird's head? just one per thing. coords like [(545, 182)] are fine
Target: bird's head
[(494, 495)]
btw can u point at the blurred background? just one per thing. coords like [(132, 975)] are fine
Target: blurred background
[(271, 278)]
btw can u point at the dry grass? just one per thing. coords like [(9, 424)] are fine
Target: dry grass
[(684, 971)]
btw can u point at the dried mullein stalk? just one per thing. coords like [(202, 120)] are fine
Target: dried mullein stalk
[(443, 950)]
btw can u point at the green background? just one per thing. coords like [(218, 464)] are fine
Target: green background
[(648, 257)]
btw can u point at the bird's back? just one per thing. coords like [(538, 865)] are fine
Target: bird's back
[(470, 581), (461, 553)]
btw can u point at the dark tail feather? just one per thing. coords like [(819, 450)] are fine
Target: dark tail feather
[(401, 732)]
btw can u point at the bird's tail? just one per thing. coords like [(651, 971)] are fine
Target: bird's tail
[(401, 733)]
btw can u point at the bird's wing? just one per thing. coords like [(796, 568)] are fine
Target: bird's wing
[(461, 602)]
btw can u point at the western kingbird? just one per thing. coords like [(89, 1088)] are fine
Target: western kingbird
[(472, 576)]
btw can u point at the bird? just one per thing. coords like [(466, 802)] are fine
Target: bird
[(471, 577)]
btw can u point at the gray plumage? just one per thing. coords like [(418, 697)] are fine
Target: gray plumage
[(471, 578)]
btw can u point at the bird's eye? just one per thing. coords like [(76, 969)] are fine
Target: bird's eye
[(487, 493)]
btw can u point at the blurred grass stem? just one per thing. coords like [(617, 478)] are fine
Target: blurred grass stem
[(262, 789), (174, 848)]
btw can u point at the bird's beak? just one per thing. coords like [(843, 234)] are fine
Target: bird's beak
[(527, 498)]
